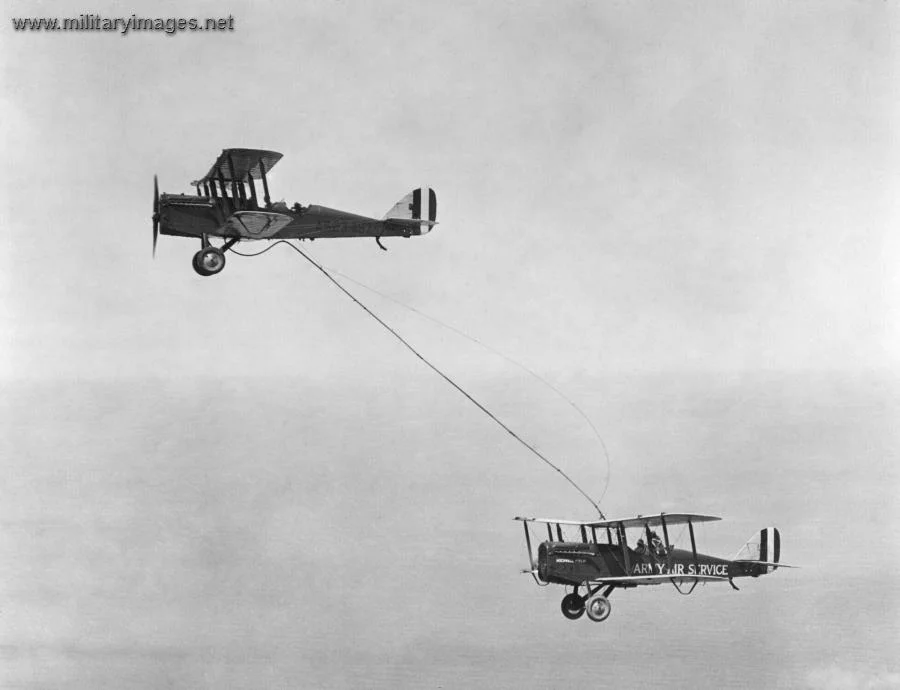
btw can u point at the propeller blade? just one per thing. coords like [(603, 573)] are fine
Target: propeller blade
[(155, 213)]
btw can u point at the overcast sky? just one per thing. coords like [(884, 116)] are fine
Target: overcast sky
[(681, 213), (620, 185)]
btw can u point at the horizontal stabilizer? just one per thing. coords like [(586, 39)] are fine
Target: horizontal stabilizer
[(773, 565)]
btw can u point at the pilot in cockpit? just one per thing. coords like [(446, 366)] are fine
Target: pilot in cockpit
[(656, 544)]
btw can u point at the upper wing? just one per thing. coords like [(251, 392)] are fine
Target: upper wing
[(639, 521), (241, 164)]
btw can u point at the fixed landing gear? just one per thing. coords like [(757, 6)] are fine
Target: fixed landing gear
[(209, 261), (572, 606), (598, 608), (596, 604)]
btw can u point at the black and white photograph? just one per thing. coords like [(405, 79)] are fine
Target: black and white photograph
[(478, 345)]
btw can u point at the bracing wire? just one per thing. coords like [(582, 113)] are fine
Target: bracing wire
[(434, 368)]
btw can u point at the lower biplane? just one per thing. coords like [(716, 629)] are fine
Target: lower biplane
[(212, 213), (600, 558)]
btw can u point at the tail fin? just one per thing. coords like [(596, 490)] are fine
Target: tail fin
[(764, 548), (419, 205)]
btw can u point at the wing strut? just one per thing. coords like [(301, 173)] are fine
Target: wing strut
[(693, 545), (623, 540), (252, 192), (528, 545), (229, 207), (262, 174), (234, 184), (662, 521)]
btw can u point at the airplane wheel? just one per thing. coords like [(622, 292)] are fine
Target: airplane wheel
[(572, 606), (209, 261), (197, 267), (598, 608)]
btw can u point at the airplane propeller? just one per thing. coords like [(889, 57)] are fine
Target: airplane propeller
[(155, 213)]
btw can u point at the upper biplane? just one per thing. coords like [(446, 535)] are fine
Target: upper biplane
[(598, 558), (226, 205)]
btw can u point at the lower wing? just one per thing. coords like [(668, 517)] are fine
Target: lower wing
[(658, 579)]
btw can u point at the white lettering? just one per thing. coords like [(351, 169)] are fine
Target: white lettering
[(710, 569)]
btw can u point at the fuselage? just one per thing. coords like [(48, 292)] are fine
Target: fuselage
[(574, 563), (187, 215)]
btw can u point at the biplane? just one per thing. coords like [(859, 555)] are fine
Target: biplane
[(594, 558), (227, 206)]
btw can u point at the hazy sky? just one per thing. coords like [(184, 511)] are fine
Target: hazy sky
[(681, 213), (620, 185)]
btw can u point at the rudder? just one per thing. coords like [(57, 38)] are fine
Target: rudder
[(769, 545), (420, 204), (764, 547)]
